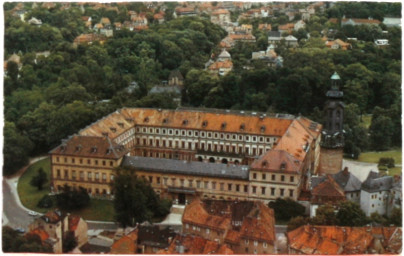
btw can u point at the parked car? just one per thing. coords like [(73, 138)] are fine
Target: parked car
[(32, 213), (20, 230)]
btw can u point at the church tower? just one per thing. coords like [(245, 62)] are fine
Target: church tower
[(332, 137)]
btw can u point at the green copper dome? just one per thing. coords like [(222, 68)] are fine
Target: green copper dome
[(335, 76)]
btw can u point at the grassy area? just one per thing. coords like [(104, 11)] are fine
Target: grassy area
[(30, 195), (101, 210), (366, 120), (373, 157)]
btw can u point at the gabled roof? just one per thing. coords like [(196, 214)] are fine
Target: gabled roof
[(221, 64), (347, 180), (187, 244), (374, 183), (90, 146), (278, 161), (126, 244), (327, 189), (344, 240)]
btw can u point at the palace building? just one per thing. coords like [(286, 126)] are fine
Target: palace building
[(188, 153)]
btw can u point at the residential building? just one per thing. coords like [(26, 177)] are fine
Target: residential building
[(184, 11), (291, 41), (338, 44), (375, 194), (52, 227), (332, 240), (299, 25), (175, 78), (144, 239), (274, 37), (286, 28), (187, 153), (189, 244), (35, 21), (222, 65), (269, 56), (245, 227), (89, 39), (220, 16), (265, 27), (159, 17)]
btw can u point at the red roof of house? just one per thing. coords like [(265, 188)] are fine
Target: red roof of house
[(326, 190), (221, 64), (127, 244), (278, 160), (43, 235), (220, 11), (286, 26), (344, 240)]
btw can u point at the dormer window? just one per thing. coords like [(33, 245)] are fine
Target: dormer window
[(79, 147), (242, 127), (146, 119), (283, 166), (185, 122), (93, 149), (63, 147), (165, 120), (121, 125), (113, 129), (105, 134), (224, 124), (204, 123), (130, 120), (264, 164), (109, 151), (262, 128)]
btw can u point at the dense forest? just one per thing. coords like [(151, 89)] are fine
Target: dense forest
[(50, 98)]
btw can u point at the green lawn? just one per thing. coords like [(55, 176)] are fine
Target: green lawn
[(373, 157), (101, 210), (30, 195)]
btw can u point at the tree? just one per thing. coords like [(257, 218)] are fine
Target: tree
[(39, 180), (396, 217), (72, 199), (16, 149), (297, 222), (325, 215), (285, 209), (381, 132), (350, 214), (135, 200), (69, 242), (13, 242)]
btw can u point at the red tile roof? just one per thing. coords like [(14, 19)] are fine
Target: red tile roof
[(344, 240), (90, 146), (195, 245), (220, 11), (221, 64), (287, 26), (127, 244), (327, 191), (43, 235)]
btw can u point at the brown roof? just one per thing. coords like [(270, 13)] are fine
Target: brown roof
[(278, 160), (242, 37), (265, 27), (195, 213), (344, 240), (43, 235), (195, 245), (298, 137), (221, 64), (126, 244), (175, 118), (286, 26), (90, 146), (327, 189), (105, 21), (220, 11), (53, 216)]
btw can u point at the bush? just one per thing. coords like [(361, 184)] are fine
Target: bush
[(285, 209), (387, 161), (45, 202), (72, 199)]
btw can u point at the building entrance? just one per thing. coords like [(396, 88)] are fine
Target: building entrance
[(181, 198)]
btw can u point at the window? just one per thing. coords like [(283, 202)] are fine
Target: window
[(182, 182), (81, 175), (291, 192), (96, 162), (57, 159), (238, 188), (165, 179), (207, 231), (221, 186), (263, 190), (88, 161), (190, 182), (158, 180), (229, 187), (265, 244), (65, 160), (254, 189), (151, 179), (272, 191), (245, 188), (292, 178), (89, 176), (198, 184), (246, 241), (273, 177), (74, 175), (206, 184), (213, 185), (104, 177), (111, 177), (264, 177), (173, 181), (73, 160), (187, 226), (282, 177), (58, 173), (97, 176), (255, 243), (254, 176), (282, 190)]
